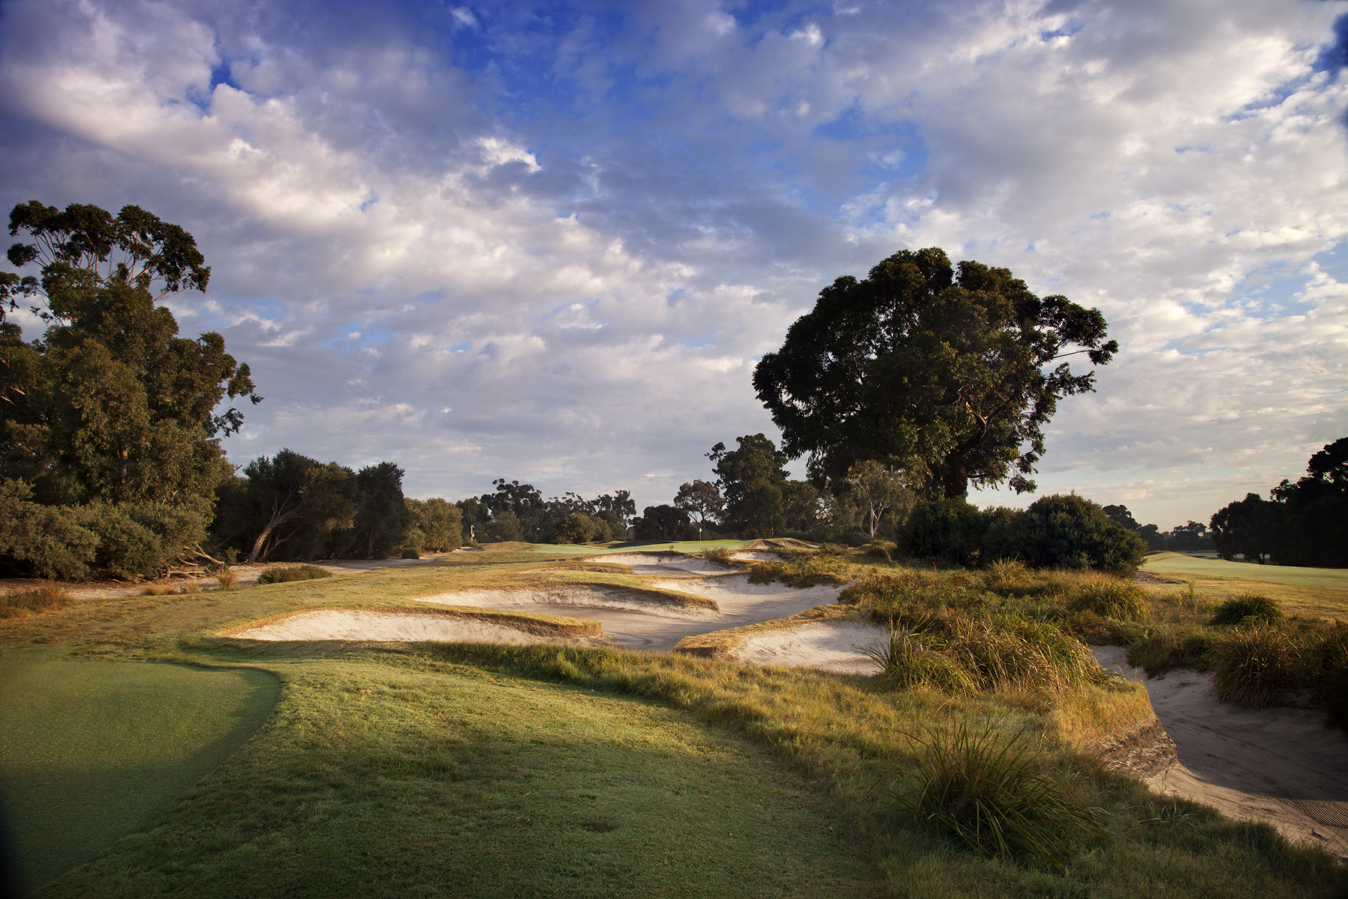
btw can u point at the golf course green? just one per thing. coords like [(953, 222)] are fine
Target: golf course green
[(91, 749)]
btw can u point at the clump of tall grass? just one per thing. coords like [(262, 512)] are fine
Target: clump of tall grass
[(1329, 656), (801, 570), (908, 660), (984, 790), (879, 551), (158, 590), (33, 601), (293, 573), (1184, 646), (1253, 665), (1005, 651), (1248, 608), (225, 578), (1111, 598), (720, 556)]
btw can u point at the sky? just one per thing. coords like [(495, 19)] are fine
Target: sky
[(550, 241)]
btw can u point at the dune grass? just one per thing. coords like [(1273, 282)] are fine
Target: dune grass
[(33, 601), (91, 749)]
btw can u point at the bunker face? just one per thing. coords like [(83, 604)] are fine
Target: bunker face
[(829, 645), (1278, 765)]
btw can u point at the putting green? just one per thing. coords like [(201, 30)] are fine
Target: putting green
[(92, 749), (1176, 563)]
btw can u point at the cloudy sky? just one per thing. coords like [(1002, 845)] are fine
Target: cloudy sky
[(549, 241)]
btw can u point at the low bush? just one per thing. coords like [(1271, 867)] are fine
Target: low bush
[(1248, 608), (803, 570), (880, 551), (1115, 599), (411, 554), (282, 575), (1070, 531), (720, 556), (34, 601), (1252, 666), (984, 790)]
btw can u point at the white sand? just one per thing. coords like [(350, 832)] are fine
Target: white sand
[(578, 599), (1277, 765), (388, 627), (633, 621), (828, 645)]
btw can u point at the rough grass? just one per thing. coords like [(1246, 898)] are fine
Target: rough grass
[(33, 601), (1253, 665), (986, 790), (284, 575), (1248, 608)]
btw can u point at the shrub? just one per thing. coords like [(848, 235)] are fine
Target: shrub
[(720, 556), (1248, 608), (1250, 667), (879, 551), (411, 554), (1119, 600), (950, 530), (293, 573), (1069, 531), (983, 789), (34, 601)]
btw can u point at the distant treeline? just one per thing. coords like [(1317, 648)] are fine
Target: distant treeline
[(1302, 523)]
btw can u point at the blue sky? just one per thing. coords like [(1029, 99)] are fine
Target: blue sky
[(548, 241)]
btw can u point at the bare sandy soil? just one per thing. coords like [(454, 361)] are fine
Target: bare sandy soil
[(829, 645), (1277, 765)]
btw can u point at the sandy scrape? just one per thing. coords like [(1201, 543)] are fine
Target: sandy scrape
[(392, 627), (835, 646), (1277, 765)]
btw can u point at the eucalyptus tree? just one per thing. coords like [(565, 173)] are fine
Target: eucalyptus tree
[(949, 375)]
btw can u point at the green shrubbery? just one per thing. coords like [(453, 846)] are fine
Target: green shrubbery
[(1061, 531), (281, 575)]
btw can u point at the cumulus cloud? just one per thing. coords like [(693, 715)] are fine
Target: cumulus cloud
[(550, 243)]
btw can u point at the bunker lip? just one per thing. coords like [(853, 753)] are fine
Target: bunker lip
[(1277, 765)]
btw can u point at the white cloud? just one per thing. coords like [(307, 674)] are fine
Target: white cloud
[(555, 250)]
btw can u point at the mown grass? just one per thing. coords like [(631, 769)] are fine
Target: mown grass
[(92, 749), (410, 776), (399, 772)]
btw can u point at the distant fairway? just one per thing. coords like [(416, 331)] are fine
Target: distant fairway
[(92, 749), (1177, 563)]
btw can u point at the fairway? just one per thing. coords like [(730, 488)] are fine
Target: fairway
[(1177, 563), (91, 749)]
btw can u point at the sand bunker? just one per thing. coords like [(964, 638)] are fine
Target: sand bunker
[(1277, 765), (579, 598), (638, 621), (393, 627), (835, 646)]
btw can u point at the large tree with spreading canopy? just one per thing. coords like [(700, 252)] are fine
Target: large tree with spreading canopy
[(949, 374)]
